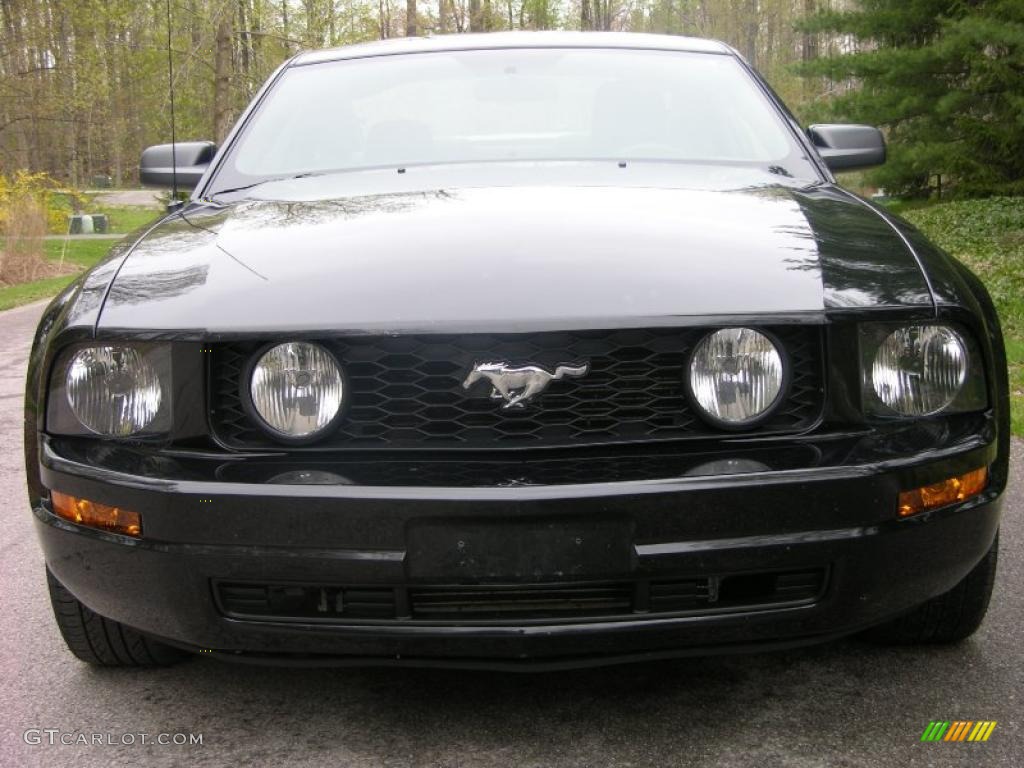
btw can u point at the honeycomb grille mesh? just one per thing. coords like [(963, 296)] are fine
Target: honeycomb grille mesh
[(406, 391)]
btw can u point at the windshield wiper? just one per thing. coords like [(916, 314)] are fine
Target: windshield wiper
[(244, 187)]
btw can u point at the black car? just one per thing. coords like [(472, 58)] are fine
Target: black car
[(527, 350)]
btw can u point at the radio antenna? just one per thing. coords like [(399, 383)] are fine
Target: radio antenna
[(170, 88)]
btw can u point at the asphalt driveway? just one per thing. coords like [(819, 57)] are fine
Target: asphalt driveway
[(843, 704)]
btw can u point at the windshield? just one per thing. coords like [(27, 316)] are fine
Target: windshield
[(512, 105)]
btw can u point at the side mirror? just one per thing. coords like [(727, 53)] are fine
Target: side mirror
[(191, 158), (848, 147)]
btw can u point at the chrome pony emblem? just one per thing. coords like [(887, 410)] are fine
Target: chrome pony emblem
[(517, 385)]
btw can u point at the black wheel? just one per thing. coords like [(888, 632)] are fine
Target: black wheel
[(101, 641), (948, 618)]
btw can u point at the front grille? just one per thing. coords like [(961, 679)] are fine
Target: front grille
[(518, 603), (406, 391)]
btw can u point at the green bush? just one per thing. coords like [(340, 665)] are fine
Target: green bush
[(58, 203), (988, 236)]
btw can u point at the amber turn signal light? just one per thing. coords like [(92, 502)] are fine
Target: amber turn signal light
[(96, 515), (948, 491)]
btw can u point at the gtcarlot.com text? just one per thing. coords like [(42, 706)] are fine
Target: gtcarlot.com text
[(55, 737)]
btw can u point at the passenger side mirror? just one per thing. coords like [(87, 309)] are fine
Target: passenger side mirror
[(190, 157), (848, 147)]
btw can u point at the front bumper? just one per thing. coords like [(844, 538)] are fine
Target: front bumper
[(836, 519)]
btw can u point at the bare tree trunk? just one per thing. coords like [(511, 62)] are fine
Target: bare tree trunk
[(194, 24), (476, 21), (442, 16), (314, 23), (384, 16), (244, 43), (410, 18), (705, 19), (284, 27), (222, 81), (114, 116), (257, 28), (809, 47), (750, 37)]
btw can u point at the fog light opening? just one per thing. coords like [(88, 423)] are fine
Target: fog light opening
[(96, 515), (948, 491)]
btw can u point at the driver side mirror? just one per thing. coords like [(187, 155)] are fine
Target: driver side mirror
[(848, 147), (188, 161)]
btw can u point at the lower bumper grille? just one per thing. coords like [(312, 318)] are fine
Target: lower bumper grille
[(520, 603), (535, 602)]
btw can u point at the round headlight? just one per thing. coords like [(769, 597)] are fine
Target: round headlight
[(113, 390), (736, 375), (297, 389), (918, 370)]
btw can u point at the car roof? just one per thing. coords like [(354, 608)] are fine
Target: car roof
[(623, 40)]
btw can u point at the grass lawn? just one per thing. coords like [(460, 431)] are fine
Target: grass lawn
[(125, 219), (80, 253), (25, 293), (988, 236), (84, 252), (121, 219)]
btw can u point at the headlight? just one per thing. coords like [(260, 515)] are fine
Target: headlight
[(736, 376), (297, 389), (113, 390), (919, 370)]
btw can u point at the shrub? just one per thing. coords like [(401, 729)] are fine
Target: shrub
[(23, 258), (56, 203)]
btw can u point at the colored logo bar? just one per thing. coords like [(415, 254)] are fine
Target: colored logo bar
[(958, 730)]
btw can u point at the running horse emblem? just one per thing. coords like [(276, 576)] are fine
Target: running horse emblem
[(516, 386)]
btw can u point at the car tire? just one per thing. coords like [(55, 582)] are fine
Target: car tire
[(949, 617), (102, 642)]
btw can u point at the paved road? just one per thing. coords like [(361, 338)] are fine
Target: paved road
[(146, 198), (844, 704)]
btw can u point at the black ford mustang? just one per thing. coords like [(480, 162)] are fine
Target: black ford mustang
[(528, 350)]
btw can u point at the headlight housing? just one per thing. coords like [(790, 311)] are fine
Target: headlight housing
[(920, 370), (736, 376), (297, 390), (115, 390)]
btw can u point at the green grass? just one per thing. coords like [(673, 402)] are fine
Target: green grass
[(126, 218), (80, 254), (988, 236), (84, 252), (121, 219), (25, 293)]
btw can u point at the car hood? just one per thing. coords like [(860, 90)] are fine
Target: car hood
[(513, 258)]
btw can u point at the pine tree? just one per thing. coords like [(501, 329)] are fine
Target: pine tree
[(945, 78)]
